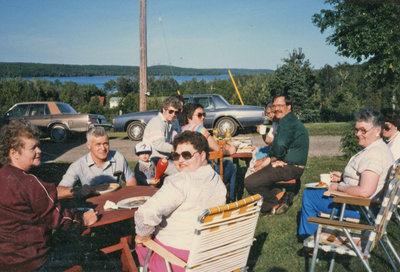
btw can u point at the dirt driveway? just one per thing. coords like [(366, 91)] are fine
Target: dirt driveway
[(69, 152)]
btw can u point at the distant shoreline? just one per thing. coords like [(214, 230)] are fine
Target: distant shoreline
[(21, 69)]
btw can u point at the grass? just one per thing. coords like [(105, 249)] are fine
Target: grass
[(276, 245), (327, 129), (314, 129)]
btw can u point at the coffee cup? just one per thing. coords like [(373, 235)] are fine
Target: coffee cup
[(325, 178), (263, 129)]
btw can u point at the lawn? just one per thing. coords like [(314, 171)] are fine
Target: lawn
[(314, 129), (276, 245)]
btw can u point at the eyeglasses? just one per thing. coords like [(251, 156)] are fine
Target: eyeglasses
[(186, 155), (362, 130), (200, 114), (172, 111), (386, 127)]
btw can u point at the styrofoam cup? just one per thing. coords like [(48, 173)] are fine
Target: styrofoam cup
[(263, 129), (326, 178)]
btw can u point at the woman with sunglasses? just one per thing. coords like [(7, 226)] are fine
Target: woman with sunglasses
[(391, 131), (194, 116), (171, 213), (364, 175)]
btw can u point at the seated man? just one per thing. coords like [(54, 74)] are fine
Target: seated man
[(161, 130), (286, 158), (171, 213), (29, 209), (96, 167)]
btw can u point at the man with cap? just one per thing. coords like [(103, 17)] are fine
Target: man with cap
[(145, 169)]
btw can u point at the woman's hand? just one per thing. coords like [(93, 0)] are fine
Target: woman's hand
[(230, 149), (139, 240), (336, 176), (333, 187)]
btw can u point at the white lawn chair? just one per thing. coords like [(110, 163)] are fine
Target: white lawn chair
[(357, 239), (223, 239)]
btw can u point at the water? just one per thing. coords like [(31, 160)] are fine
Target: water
[(100, 80)]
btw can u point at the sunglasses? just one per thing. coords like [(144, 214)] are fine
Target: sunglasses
[(186, 155), (200, 114), (172, 111)]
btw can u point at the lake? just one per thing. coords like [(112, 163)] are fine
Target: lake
[(100, 80)]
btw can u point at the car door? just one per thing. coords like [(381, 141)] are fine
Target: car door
[(209, 108), (19, 112), (39, 115)]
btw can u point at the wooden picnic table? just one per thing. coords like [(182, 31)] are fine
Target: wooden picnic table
[(109, 217)]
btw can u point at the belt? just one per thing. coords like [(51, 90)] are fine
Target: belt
[(299, 166)]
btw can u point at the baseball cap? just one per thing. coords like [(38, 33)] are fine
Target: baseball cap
[(142, 147)]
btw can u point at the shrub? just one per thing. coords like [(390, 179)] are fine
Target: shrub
[(349, 143)]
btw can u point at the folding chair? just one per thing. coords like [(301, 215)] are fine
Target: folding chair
[(357, 239), (223, 238)]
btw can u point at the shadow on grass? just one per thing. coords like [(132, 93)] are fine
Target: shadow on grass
[(256, 249)]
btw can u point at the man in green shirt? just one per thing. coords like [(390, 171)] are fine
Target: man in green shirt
[(285, 161)]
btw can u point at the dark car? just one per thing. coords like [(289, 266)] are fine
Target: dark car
[(54, 119), (220, 116)]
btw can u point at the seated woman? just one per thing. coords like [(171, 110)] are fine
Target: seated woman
[(363, 176), (390, 131), (171, 214), (29, 207), (194, 115)]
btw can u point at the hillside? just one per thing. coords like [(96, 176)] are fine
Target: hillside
[(19, 69)]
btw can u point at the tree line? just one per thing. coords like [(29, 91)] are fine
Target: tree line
[(20, 69), (327, 94), (367, 31)]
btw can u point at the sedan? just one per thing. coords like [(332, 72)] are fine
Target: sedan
[(221, 116)]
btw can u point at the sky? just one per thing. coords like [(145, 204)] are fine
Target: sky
[(254, 34)]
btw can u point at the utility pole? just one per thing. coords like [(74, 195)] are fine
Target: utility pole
[(143, 56)]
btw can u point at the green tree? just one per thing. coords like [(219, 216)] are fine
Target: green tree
[(365, 30), (296, 78)]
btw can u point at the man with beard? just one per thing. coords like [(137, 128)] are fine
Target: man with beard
[(286, 159)]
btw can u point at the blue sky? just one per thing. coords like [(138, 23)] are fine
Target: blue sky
[(186, 33)]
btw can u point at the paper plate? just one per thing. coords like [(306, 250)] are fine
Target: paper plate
[(313, 185), (132, 202), (106, 188)]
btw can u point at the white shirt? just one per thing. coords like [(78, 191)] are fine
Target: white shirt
[(394, 146), (174, 209), (376, 157)]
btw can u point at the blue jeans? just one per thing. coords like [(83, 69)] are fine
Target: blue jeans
[(315, 202), (229, 176)]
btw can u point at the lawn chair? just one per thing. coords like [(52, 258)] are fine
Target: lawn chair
[(223, 238), (357, 239)]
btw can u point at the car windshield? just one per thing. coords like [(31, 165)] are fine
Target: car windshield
[(66, 108)]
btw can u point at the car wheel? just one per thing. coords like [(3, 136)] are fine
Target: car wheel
[(226, 123), (135, 131), (59, 133)]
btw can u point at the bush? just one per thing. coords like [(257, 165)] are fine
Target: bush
[(349, 144)]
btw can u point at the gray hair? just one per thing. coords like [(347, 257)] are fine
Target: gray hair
[(370, 115), (95, 132), (172, 101)]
